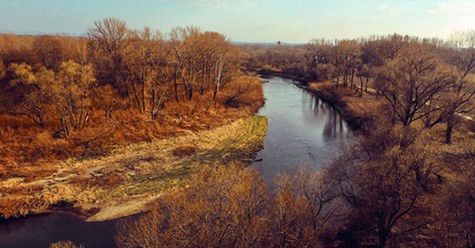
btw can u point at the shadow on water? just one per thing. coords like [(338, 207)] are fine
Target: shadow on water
[(303, 130), (41, 230)]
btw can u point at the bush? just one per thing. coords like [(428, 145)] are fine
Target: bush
[(223, 207), (65, 244)]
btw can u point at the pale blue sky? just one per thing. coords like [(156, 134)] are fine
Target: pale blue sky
[(247, 20)]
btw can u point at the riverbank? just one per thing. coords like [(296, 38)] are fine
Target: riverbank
[(361, 111), (339, 98), (131, 177), (357, 111), (267, 73), (365, 111)]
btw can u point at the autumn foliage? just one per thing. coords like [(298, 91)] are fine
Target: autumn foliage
[(81, 96)]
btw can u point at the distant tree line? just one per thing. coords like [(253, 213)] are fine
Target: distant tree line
[(420, 79)]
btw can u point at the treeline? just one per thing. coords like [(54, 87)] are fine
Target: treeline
[(420, 79), (68, 85)]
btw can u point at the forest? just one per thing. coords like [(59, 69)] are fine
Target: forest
[(405, 181), (63, 96)]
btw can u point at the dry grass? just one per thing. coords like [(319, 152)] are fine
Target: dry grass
[(130, 174)]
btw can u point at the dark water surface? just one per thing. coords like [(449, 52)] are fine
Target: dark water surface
[(41, 230), (302, 131)]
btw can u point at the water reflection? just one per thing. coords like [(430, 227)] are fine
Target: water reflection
[(303, 130)]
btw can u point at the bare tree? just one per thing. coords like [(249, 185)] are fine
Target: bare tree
[(111, 36), (107, 41), (177, 43), (386, 188), (463, 90), (142, 61), (411, 81), (48, 50), (305, 209), (108, 100), (224, 207), (71, 90)]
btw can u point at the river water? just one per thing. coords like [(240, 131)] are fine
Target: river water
[(303, 130), (41, 230)]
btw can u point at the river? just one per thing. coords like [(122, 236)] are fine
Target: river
[(303, 130)]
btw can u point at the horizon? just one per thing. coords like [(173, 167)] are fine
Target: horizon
[(249, 21), (282, 43)]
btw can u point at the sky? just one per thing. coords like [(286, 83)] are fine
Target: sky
[(292, 21)]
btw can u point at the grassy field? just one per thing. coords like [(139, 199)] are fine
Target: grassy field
[(127, 180)]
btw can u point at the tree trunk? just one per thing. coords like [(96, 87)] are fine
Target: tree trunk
[(175, 84), (203, 81), (153, 111), (217, 83), (352, 77), (158, 102), (449, 128), (427, 122), (65, 126), (108, 113), (361, 86), (188, 90), (136, 96), (144, 90), (382, 237)]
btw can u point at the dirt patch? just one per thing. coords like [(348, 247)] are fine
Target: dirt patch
[(184, 151)]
